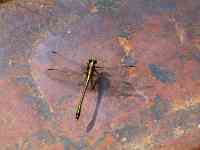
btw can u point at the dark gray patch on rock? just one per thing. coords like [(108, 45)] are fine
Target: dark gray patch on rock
[(162, 74), (68, 143), (129, 132), (3, 62), (160, 6), (196, 56), (159, 108), (44, 110), (25, 80), (129, 61), (30, 99), (45, 136)]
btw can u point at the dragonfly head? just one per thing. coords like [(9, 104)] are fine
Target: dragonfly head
[(93, 60)]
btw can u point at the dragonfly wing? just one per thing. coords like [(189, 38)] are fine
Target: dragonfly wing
[(121, 88), (58, 58), (65, 76), (115, 85)]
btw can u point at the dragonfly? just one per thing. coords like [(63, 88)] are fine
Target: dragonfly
[(91, 69), (91, 77)]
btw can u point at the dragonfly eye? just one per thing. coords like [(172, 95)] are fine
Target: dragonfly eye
[(93, 60)]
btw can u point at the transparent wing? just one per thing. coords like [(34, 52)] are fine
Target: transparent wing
[(65, 70), (120, 86), (65, 76), (60, 59)]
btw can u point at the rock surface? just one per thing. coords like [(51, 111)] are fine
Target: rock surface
[(154, 105)]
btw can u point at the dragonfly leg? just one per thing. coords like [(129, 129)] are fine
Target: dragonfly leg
[(98, 67), (94, 79), (84, 79), (85, 75), (95, 70), (93, 83)]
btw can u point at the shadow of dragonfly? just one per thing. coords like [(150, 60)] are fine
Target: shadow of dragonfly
[(102, 89)]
